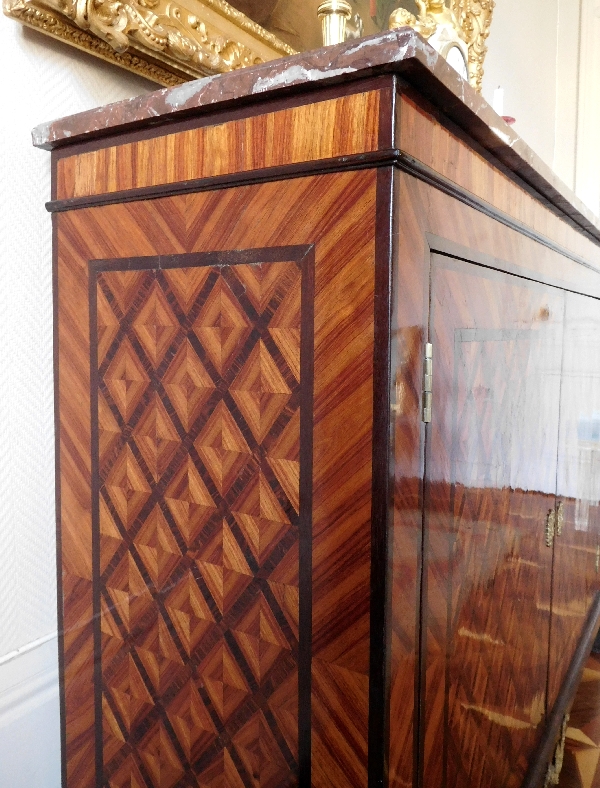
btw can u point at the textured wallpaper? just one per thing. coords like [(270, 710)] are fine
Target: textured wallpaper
[(42, 79)]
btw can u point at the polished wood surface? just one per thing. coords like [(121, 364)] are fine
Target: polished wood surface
[(581, 763), (196, 392), (490, 483), (576, 552), (343, 247), (424, 135), (265, 140), (266, 582)]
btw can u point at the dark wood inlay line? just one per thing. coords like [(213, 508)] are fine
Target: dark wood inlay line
[(381, 488), (376, 159), (356, 161), (542, 757)]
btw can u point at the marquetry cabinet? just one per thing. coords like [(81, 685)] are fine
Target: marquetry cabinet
[(328, 432)]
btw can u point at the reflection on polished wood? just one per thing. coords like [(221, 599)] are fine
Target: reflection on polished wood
[(491, 476), (581, 762), (275, 573)]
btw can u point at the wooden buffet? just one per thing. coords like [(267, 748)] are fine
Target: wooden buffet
[(279, 565)]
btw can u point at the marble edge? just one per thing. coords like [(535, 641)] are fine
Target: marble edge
[(400, 51)]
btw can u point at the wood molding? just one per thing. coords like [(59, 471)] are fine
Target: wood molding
[(381, 158)]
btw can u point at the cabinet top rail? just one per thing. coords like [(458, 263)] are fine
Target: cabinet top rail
[(402, 52)]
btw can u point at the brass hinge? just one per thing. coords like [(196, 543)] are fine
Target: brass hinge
[(550, 527), (427, 377), (560, 518)]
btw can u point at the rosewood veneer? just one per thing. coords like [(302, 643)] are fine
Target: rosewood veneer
[(327, 397)]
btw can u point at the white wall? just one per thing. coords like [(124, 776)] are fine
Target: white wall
[(42, 80), (545, 54)]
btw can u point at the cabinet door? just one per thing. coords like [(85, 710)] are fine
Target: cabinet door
[(575, 576), (490, 483)]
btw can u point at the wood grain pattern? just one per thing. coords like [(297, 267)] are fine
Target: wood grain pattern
[(198, 515), (490, 482), (427, 139), (282, 137), (581, 764), (410, 293), (576, 578), (336, 214), (429, 221)]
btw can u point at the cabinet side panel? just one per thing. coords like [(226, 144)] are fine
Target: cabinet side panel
[(286, 136), (334, 214)]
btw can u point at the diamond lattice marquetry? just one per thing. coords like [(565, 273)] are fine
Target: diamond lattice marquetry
[(128, 691), (110, 536), (187, 384), (191, 721), (109, 430), (128, 775), (284, 329), (260, 753), (127, 487), (260, 517), (156, 437), (160, 758), (124, 287), (186, 284), (126, 379), (158, 652), (157, 547), (264, 281), (108, 326), (222, 773), (224, 681), (155, 325), (223, 567), (129, 593), (189, 501), (113, 738), (199, 480), (189, 612), (222, 327), (260, 391), (222, 448), (260, 638), (284, 460)]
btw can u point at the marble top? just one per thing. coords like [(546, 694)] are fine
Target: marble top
[(399, 51)]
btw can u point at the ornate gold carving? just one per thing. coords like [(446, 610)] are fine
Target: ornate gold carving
[(445, 23), (164, 41), (554, 769)]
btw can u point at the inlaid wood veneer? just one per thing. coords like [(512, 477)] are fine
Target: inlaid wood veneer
[(421, 134), (274, 572), (148, 531), (265, 140)]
